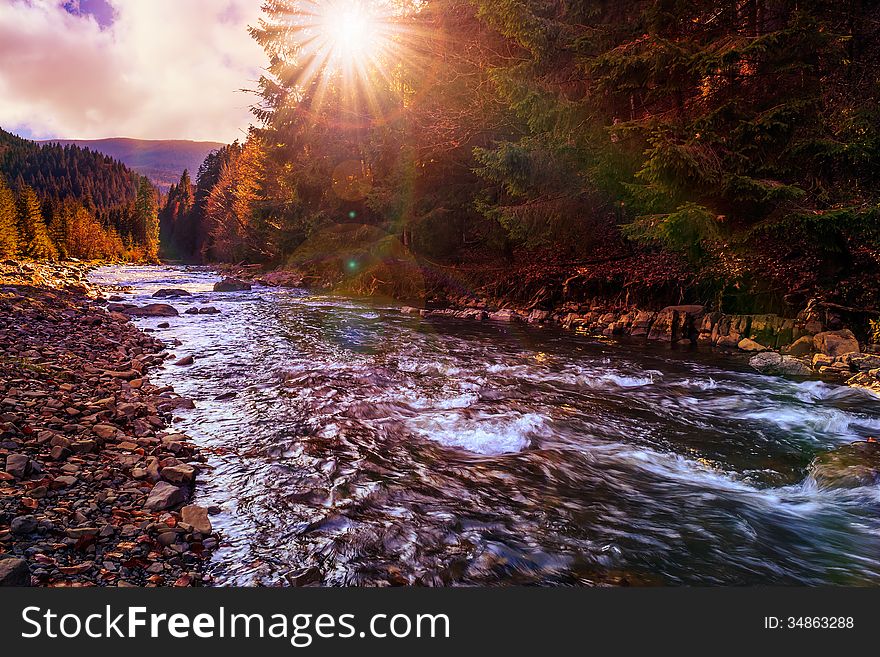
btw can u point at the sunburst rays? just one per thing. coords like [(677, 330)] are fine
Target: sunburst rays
[(351, 53)]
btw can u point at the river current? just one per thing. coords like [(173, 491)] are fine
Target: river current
[(350, 444)]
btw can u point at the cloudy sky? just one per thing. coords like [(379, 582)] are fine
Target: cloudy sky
[(152, 69)]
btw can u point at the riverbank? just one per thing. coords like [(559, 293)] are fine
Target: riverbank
[(94, 485)]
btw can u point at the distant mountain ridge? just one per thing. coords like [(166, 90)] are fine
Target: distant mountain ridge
[(162, 161), (60, 173)]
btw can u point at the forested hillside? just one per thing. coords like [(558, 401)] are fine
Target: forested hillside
[(713, 150), (160, 160), (64, 201)]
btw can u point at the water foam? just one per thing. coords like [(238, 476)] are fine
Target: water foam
[(483, 434)]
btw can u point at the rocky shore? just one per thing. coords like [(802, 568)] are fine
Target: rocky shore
[(814, 343), (802, 346), (94, 487)]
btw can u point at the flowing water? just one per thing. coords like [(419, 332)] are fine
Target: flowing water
[(367, 447)]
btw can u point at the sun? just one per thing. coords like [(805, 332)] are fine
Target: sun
[(351, 31), (351, 34), (348, 51)]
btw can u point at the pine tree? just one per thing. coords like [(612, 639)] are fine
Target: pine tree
[(9, 237), (58, 227), (37, 244), (147, 220)]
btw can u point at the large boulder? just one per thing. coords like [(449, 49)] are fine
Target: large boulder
[(152, 310), (803, 346), (14, 572), (770, 362), (851, 466), (747, 344), (675, 323), (166, 496), (835, 343), (231, 285)]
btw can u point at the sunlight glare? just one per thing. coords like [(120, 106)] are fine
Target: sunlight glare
[(351, 33)]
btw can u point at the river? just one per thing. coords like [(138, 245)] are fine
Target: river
[(367, 447)]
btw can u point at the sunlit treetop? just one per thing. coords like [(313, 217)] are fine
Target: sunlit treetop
[(342, 48)]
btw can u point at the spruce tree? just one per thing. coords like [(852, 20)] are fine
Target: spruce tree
[(147, 220), (9, 237), (37, 244)]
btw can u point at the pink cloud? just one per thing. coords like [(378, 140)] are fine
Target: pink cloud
[(162, 69)]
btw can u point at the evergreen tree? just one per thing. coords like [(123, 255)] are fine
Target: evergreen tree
[(146, 220), (59, 213), (36, 241), (9, 237)]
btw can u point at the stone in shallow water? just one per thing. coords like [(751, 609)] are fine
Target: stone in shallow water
[(231, 285), (851, 466), (153, 310), (171, 292), (178, 474), (772, 363)]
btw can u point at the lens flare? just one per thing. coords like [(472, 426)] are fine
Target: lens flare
[(350, 53), (351, 32)]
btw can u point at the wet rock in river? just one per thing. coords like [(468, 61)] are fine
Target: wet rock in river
[(186, 360), (675, 323), (851, 466), (505, 315), (231, 285), (207, 310), (868, 380), (171, 292), (771, 362), (152, 310), (178, 474)]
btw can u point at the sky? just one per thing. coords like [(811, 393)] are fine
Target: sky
[(149, 69)]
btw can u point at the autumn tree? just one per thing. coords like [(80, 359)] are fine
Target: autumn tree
[(235, 232), (9, 237), (35, 236), (146, 220)]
